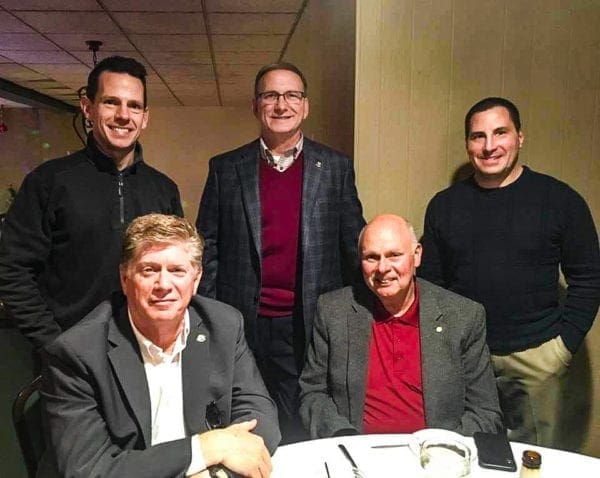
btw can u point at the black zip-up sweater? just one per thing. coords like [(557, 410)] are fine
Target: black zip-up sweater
[(503, 247), (61, 240)]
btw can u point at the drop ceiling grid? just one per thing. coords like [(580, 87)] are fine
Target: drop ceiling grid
[(45, 40)]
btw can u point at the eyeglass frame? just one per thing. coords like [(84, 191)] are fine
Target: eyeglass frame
[(261, 95)]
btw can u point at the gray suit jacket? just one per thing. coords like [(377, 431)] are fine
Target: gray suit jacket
[(229, 219), (96, 400), (459, 391)]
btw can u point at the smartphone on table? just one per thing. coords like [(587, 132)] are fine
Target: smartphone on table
[(494, 451)]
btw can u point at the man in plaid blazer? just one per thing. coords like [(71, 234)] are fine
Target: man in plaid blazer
[(281, 219)]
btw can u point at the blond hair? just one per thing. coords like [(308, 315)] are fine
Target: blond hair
[(160, 229)]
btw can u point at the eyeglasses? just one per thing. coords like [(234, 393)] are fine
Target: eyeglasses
[(272, 97)]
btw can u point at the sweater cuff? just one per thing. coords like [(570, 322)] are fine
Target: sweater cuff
[(571, 336)]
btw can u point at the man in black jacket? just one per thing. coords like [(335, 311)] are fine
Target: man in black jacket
[(61, 240)]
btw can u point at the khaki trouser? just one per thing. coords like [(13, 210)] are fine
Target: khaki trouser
[(529, 386)]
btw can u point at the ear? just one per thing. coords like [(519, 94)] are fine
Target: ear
[(123, 278), (86, 106), (255, 107), (306, 108), (521, 138), (197, 280), (418, 253), (145, 117)]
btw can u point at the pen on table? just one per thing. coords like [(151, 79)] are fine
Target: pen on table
[(327, 470)]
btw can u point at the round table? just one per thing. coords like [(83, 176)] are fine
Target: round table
[(307, 459)]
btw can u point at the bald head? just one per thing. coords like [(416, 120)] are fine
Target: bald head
[(390, 255), (392, 222)]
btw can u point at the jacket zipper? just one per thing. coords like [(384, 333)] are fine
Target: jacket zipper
[(121, 203)]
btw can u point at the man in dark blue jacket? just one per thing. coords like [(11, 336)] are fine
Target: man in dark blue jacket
[(281, 219)]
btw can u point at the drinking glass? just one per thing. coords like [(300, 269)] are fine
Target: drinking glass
[(445, 459)]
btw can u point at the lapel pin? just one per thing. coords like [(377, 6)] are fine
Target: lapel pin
[(438, 329), (201, 338), (318, 164)]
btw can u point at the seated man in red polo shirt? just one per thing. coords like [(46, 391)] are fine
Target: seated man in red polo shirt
[(400, 354)]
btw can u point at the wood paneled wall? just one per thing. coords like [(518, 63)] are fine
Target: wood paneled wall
[(323, 48), (420, 64)]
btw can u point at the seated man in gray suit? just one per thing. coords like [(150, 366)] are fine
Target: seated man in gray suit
[(159, 382), (400, 355)]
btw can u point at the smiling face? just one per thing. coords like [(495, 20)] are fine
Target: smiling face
[(389, 257), (159, 284), (118, 115), (280, 122), (493, 145)]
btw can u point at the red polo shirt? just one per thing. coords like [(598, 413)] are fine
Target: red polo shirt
[(394, 395)]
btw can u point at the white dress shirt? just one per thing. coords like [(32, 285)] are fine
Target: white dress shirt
[(163, 374)]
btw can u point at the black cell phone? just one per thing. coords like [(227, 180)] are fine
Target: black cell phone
[(493, 451)]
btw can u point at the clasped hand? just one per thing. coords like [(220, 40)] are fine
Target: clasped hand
[(236, 448)]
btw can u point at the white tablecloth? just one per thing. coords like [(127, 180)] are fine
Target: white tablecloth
[(307, 460)]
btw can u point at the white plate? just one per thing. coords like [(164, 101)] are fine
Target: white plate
[(417, 438)]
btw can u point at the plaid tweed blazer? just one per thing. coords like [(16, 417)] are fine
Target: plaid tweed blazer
[(229, 218)]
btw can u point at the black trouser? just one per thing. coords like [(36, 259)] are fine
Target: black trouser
[(277, 358)]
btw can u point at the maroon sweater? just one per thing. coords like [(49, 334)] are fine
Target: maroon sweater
[(281, 203)]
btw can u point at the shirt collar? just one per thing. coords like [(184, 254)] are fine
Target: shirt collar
[(105, 163), (281, 161), (153, 353)]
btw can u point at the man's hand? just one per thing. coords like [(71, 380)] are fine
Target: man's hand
[(238, 449)]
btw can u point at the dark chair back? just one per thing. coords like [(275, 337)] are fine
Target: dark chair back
[(27, 419)]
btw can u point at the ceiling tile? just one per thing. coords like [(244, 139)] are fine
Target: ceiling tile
[(69, 22), (153, 78), (239, 88), (76, 41), (147, 43), (155, 90), (168, 37), (242, 43), (167, 101), (236, 93), (25, 41), (163, 23), (200, 100), (74, 84), (86, 56), (50, 4), (238, 73), (47, 85), (233, 98), (33, 57), (146, 6), (198, 88), (277, 6), (251, 23), (10, 24), (186, 73), (178, 58), (246, 58), (14, 72), (67, 74)]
